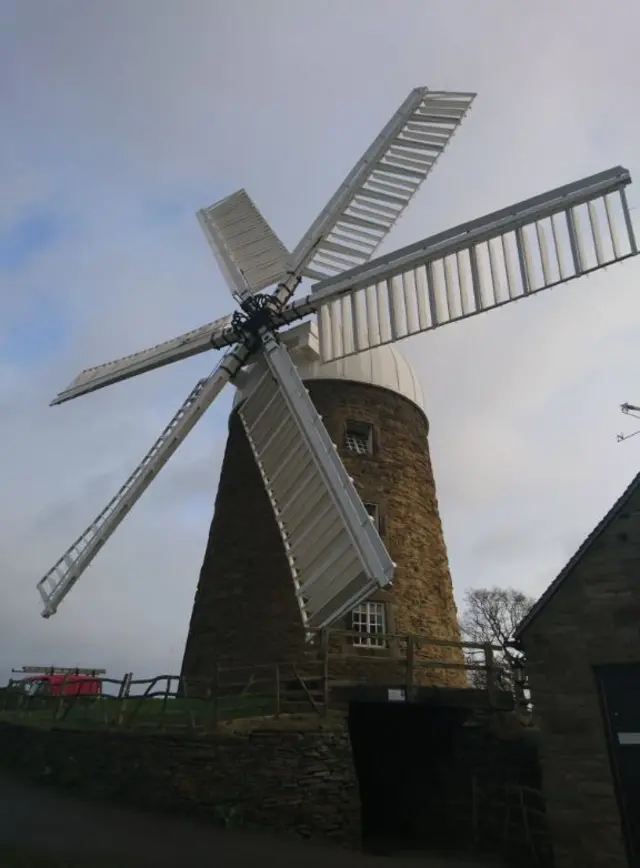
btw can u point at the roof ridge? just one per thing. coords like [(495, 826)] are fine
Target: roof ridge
[(577, 556)]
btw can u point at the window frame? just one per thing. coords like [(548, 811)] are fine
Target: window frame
[(369, 617), (363, 430)]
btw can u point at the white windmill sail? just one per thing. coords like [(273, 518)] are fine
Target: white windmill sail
[(376, 192), (346, 233), (191, 343), (336, 557), (502, 257), (247, 250), (356, 219), (58, 581)]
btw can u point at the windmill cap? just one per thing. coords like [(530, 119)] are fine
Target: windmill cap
[(384, 366)]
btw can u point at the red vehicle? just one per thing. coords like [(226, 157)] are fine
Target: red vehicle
[(57, 685), (62, 682)]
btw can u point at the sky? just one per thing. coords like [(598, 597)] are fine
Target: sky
[(121, 119)]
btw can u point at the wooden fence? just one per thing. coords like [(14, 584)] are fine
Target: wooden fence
[(170, 702)]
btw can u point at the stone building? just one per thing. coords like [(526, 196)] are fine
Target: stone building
[(582, 646), (245, 609)]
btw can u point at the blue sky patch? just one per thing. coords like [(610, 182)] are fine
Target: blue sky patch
[(27, 238), (39, 334)]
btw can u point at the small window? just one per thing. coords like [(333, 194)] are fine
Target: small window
[(374, 514), (359, 438), (369, 618)]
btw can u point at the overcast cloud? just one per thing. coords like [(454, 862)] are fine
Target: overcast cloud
[(120, 119)]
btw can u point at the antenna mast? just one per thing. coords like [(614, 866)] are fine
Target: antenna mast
[(629, 410)]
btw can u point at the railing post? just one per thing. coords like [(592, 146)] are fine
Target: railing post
[(58, 706), (117, 707), (165, 700), (411, 651), (24, 707), (123, 694), (490, 670)]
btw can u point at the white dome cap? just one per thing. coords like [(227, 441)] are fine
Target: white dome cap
[(382, 366)]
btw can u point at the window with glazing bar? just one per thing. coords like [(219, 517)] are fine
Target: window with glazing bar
[(358, 438), (369, 618)]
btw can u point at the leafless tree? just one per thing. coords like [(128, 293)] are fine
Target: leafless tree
[(492, 615)]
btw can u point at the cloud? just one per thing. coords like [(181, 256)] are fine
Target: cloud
[(125, 118)]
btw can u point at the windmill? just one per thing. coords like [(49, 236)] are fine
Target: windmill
[(335, 554)]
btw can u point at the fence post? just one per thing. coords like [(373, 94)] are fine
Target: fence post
[(411, 651), (25, 705), (58, 706), (165, 699), (490, 670), (519, 679), (117, 718)]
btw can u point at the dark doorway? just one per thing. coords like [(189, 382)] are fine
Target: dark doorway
[(620, 695), (404, 755)]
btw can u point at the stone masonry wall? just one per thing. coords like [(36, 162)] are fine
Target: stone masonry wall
[(592, 620), (398, 477), (245, 608), (297, 781)]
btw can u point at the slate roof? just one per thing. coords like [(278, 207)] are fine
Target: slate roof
[(613, 513)]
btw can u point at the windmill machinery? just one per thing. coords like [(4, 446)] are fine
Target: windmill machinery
[(335, 554)]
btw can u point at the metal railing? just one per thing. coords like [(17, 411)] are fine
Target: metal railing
[(512, 818)]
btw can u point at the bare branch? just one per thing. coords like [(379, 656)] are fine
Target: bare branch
[(492, 615)]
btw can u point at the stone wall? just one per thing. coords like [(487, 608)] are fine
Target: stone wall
[(398, 477), (245, 608), (302, 779), (591, 620), (288, 780)]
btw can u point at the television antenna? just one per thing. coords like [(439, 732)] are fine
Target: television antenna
[(629, 410), (335, 554)]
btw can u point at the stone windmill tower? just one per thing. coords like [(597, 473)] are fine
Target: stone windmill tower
[(329, 430), (373, 409)]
